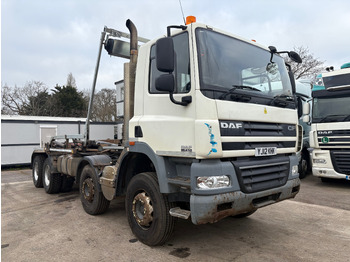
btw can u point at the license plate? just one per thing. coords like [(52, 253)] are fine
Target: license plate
[(265, 151)]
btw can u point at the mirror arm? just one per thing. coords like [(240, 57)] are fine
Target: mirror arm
[(185, 100)]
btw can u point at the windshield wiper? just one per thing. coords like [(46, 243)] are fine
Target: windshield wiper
[(237, 87), (346, 118), (281, 100), (331, 118)]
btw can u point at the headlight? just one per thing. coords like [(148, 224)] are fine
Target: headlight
[(212, 182), (320, 161), (294, 170)]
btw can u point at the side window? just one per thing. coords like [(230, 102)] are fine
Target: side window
[(182, 66)]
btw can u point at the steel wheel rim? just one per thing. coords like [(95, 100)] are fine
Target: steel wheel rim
[(47, 175), (142, 210), (36, 171), (88, 189)]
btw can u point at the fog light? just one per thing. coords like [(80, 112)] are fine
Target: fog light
[(212, 182), (319, 161), (294, 170)]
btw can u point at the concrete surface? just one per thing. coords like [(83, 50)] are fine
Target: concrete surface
[(40, 227)]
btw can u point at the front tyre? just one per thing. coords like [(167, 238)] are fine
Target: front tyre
[(147, 210), (92, 198), (51, 181)]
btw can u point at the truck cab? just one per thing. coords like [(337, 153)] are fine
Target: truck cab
[(330, 131)]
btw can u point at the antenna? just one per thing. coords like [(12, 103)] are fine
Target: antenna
[(183, 15)]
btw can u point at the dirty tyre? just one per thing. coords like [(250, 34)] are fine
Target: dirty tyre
[(37, 171), (245, 214), (147, 210), (92, 198), (304, 165), (51, 181), (67, 184)]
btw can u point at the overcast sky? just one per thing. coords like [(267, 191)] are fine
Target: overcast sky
[(45, 40)]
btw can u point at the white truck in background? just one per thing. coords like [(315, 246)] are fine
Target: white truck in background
[(210, 131), (330, 129)]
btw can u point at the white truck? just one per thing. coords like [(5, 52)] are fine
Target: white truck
[(210, 131), (330, 129)]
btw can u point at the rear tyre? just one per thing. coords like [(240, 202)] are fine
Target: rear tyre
[(92, 198), (37, 171), (52, 181), (67, 184), (147, 210)]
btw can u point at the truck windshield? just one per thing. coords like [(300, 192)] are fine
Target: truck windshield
[(335, 109), (234, 70)]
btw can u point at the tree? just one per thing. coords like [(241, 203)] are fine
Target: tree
[(71, 80), (28, 100), (310, 66), (68, 102), (104, 108)]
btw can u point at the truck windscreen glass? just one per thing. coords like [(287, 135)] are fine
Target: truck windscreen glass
[(331, 109), (234, 70)]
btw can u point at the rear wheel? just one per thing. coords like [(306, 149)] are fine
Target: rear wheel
[(67, 183), (91, 196), (147, 210), (37, 171), (51, 181)]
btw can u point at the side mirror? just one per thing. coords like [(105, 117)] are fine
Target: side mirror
[(306, 109), (165, 83), (306, 119), (165, 55), (295, 57)]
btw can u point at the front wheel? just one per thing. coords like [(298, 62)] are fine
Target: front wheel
[(147, 210), (92, 198)]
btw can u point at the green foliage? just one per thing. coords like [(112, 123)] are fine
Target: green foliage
[(68, 102)]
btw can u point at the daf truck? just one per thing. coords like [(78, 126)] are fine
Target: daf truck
[(330, 130), (210, 131)]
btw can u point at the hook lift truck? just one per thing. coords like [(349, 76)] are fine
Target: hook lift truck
[(210, 131)]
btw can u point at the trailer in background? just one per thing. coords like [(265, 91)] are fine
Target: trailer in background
[(20, 135)]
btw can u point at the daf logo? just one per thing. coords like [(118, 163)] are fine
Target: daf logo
[(231, 125), (324, 132), (291, 128)]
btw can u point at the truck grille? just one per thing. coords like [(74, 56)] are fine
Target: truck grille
[(271, 135), (333, 138), (341, 161), (257, 175)]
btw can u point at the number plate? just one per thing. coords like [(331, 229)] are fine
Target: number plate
[(265, 151)]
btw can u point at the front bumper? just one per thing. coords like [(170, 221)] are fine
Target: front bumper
[(210, 209)]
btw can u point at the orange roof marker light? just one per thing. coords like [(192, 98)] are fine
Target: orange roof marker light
[(190, 19)]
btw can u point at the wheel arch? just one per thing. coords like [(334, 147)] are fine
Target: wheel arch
[(36, 153), (141, 158), (97, 162)]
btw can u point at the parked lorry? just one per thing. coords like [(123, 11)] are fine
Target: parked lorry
[(210, 131), (303, 93), (330, 129)]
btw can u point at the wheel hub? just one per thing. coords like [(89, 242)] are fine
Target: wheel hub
[(88, 189), (142, 209)]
